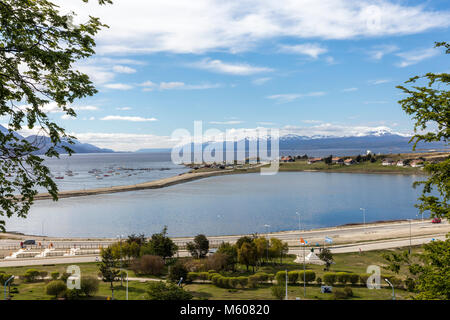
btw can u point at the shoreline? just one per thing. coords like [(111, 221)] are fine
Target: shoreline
[(192, 176)]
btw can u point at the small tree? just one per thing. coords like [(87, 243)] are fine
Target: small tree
[(54, 275), (160, 245), (108, 268), (177, 271), (326, 256), (56, 288), (148, 264), (89, 286), (247, 255), (162, 291), (31, 275), (199, 248), (231, 253)]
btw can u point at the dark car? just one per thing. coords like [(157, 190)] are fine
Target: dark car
[(29, 242)]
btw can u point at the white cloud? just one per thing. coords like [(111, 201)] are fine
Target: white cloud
[(138, 26), (123, 69), (378, 52), (261, 81), (127, 118), (123, 108), (133, 142), (170, 85), (231, 122), (219, 66), (379, 81), (118, 86), (312, 50), (350, 89), (150, 86), (415, 56), (285, 98)]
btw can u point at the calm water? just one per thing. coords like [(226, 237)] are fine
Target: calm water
[(232, 204), (112, 169)]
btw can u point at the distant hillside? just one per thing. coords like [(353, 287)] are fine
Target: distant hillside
[(320, 145), (44, 143)]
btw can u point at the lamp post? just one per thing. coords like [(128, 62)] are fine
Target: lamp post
[(304, 254), (409, 236), (286, 285), (364, 217), (6, 284), (392, 286), (267, 244)]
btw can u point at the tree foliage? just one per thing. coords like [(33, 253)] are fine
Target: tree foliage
[(38, 49), (199, 248), (160, 245), (162, 291), (429, 106)]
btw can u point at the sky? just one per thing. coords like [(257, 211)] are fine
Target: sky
[(308, 67)]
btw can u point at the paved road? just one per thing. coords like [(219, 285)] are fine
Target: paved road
[(367, 246), (368, 232)]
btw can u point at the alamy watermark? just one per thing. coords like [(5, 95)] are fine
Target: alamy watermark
[(233, 147)]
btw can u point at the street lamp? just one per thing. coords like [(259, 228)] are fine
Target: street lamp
[(364, 216), (393, 291), (409, 236), (286, 285), (6, 284), (299, 224), (304, 254)]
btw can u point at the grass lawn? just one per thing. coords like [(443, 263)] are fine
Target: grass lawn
[(363, 167), (345, 262), (210, 292)]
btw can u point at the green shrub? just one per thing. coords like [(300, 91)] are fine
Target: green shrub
[(353, 278), (329, 278), (253, 281), (234, 282), (243, 281), (43, 274), (54, 275), (89, 286), (342, 277), (293, 277), (203, 275), (177, 271), (339, 294), (319, 281), (281, 277), (310, 276), (192, 276), (278, 292), (31, 275), (65, 276), (363, 278), (56, 288)]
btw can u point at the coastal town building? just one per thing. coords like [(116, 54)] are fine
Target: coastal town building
[(314, 160), (287, 159), (416, 163), (349, 162), (337, 160), (388, 162), (400, 163)]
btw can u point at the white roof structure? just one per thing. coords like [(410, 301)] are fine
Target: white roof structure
[(311, 258)]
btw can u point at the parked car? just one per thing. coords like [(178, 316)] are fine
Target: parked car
[(29, 242), (436, 220)]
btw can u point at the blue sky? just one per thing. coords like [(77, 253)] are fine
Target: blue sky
[(307, 67)]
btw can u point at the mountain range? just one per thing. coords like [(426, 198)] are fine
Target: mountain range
[(44, 143)]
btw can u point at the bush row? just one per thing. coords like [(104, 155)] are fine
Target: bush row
[(295, 276), (332, 278), (231, 282)]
